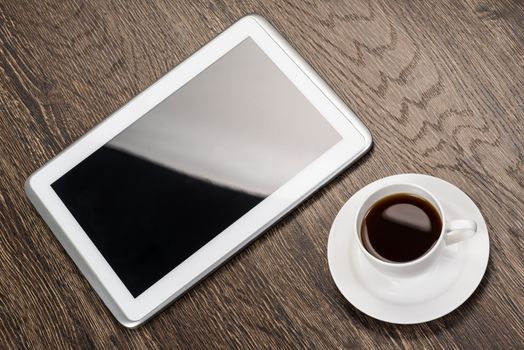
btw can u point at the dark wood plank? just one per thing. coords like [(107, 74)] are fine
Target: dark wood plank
[(440, 84)]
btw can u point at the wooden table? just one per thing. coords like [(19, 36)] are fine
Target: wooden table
[(440, 85)]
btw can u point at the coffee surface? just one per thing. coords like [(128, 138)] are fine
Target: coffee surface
[(400, 228)]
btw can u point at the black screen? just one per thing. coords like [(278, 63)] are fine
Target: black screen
[(193, 165)]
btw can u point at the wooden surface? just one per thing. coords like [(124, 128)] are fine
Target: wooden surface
[(440, 85)]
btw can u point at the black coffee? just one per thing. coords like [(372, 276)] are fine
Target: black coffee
[(400, 228)]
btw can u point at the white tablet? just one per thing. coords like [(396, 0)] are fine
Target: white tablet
[(194, 168)]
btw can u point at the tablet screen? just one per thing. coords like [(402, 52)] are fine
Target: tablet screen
[(193, 165)]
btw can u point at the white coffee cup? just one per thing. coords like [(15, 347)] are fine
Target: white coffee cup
[(452, 231)]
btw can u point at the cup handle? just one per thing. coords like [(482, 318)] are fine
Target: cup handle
[(459, 230)]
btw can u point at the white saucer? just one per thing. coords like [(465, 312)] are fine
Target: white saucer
[(408, 300)]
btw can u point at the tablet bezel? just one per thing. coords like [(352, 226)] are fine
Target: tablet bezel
[(130, 311)]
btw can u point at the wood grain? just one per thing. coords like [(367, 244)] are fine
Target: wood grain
[(440, 84)]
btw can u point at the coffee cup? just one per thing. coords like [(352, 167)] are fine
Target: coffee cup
[(421, 201)]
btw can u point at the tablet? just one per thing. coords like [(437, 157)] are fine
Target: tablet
[(194, 168)]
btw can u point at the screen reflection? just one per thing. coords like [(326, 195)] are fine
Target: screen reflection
[(193, 165)]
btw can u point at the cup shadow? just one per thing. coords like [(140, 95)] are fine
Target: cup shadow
[(452, 319)]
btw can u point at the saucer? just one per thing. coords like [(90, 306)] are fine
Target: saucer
[(440, 289)]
